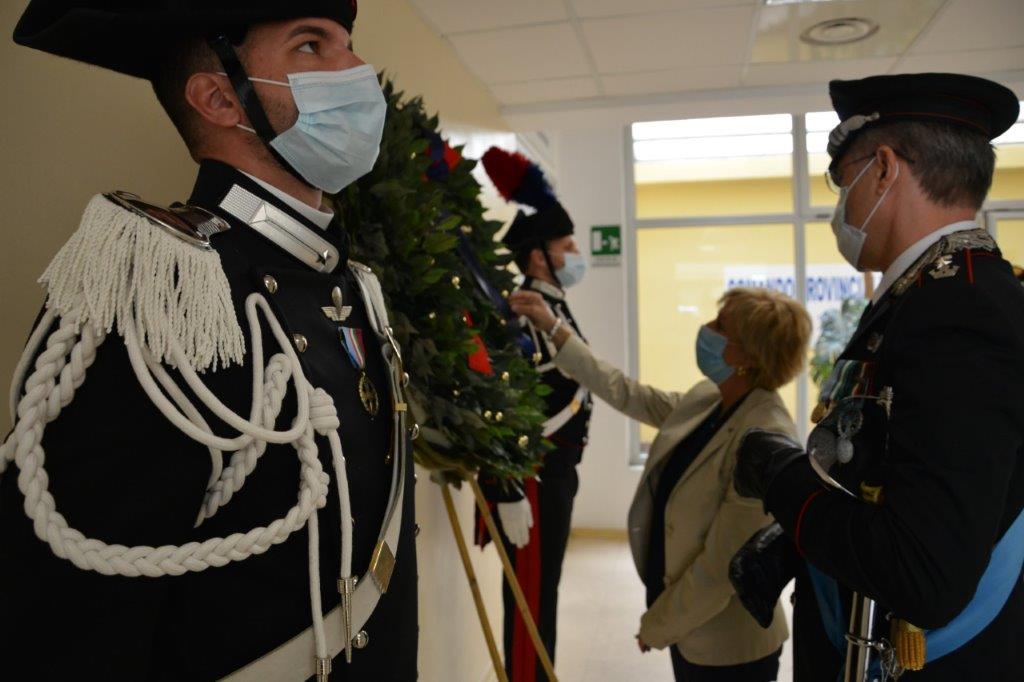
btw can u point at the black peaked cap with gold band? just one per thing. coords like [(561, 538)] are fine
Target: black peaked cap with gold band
[(968, 101), (131, 36)]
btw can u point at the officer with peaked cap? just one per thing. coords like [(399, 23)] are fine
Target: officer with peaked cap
[(535, 521), (907, 502), (209, 472)]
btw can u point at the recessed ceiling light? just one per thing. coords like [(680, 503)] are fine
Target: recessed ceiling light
[(839, 31)]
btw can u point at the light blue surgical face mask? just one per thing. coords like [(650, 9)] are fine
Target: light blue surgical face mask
[(336, 139), (572, 272), (711, 355), (850, 239)]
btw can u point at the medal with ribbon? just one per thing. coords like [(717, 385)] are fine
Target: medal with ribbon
[(355, 348)]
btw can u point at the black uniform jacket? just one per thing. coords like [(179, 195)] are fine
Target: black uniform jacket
[(119, 471), (948, 340), (572, 437)]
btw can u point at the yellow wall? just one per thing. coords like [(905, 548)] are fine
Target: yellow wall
[(390, 35), (718, 197), (1011, 240), (680, 277)]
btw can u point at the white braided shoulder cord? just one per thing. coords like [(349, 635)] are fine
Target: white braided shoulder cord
[(59, 371)]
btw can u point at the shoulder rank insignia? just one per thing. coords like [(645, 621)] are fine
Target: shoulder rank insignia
[(940, 257), (943, 267), (188, 223)]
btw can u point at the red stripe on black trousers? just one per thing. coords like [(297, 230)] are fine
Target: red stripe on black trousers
[(524, 657)]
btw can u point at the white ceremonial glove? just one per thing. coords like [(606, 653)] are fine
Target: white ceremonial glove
[(516, 521)]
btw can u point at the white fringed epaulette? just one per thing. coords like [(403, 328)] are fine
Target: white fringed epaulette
[(133, 261)]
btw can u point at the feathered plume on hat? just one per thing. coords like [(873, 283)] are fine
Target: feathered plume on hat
[(520, 180)]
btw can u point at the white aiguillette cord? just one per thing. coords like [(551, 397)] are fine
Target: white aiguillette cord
[(291, 660), (70, 350)]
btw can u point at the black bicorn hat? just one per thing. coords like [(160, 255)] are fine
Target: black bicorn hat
[(530, 231), (968, 101), (520, 180), (131, 36)]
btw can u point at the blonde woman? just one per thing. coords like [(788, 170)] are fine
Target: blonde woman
[(687, 520)]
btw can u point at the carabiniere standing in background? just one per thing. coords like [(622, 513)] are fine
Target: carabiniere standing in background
[(913, 492), (535, 520)]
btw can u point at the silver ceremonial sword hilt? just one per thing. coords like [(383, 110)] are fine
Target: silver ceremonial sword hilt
[(347, 588)]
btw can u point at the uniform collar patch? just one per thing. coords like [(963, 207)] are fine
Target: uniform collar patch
[(545, 288), (287, 232)]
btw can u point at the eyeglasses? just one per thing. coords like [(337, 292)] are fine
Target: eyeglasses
[(834, 180)]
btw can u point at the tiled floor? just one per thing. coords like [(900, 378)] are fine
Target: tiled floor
[(598, 614)]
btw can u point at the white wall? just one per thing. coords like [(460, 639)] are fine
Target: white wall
[(591, 188), (452, 646)]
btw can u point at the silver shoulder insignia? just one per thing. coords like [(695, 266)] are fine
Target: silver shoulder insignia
[(191, 224), (360, 266), (968, 239), (940, 257), (943, 267)]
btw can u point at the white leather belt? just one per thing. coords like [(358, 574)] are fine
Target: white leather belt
[(566, 413)]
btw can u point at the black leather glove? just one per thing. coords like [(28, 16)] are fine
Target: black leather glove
[(760, 571), (762, 456)]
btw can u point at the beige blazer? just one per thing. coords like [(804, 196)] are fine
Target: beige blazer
[(706, 521)]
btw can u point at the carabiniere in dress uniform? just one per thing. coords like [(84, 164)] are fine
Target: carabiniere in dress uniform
[(906, 506), (211, 474), (568, 409)]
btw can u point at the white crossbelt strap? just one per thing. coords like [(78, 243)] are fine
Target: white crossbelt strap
[(566, 413), (296, 658)]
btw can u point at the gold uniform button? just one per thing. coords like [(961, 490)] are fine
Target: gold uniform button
[(270, 284), (301, 344)]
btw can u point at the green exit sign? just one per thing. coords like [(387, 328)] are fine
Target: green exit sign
[(605, 244)]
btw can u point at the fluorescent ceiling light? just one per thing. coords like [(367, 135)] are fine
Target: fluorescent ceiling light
[(733, 146), (793, 2), (713, 127)]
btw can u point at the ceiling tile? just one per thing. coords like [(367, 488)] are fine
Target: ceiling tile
[(521, 54), (454, 16), (545, 90), (815, 73), (612, 8), (976, 62), (779, 29), (672, 80), (974, 24), (703, 37)]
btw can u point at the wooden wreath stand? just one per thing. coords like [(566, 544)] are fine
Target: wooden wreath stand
[(442, 479)]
